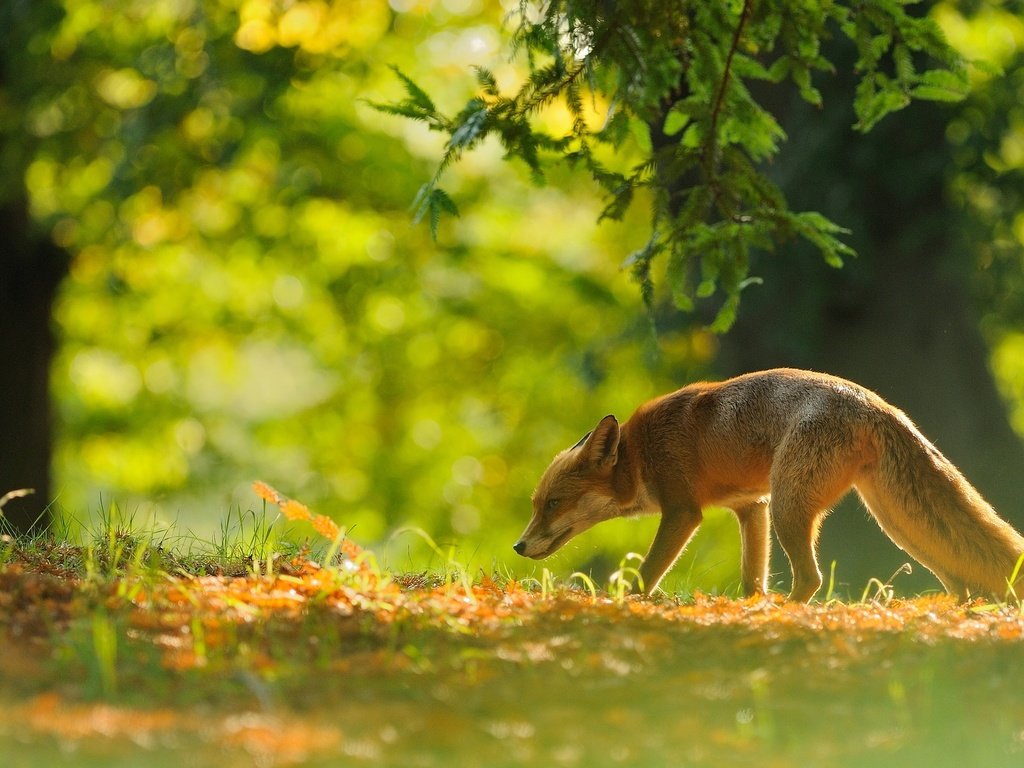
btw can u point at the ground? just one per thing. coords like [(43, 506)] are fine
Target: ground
[(125, 655)]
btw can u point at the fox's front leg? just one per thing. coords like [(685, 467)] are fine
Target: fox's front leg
[(675, 529)]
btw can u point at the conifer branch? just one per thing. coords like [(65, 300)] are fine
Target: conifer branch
[(716, 109)]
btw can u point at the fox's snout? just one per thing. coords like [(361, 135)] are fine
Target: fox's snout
[(532, 543), (537, 545), (535, 550)]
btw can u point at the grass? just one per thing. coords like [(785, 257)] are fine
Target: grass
[(145, 649)]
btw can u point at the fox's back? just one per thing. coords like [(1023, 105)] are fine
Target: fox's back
[(726, 433), (759, 408)]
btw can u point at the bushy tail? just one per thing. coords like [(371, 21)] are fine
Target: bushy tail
[(928, 508)]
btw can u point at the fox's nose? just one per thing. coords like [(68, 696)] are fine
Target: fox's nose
[(519, 547)]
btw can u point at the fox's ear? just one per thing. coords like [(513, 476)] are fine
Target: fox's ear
[(602, 447)]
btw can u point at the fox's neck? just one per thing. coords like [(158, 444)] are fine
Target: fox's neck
[(629, 487)]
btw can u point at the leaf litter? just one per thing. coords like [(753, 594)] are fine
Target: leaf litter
[(316, 659)]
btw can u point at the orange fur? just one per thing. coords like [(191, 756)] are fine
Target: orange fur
[(796, 438)]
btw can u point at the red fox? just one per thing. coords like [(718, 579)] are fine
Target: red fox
[(789, 441)]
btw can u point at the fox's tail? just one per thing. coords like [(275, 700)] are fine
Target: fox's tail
[(928, 508)]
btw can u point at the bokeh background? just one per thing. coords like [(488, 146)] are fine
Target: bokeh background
[(240, 292)]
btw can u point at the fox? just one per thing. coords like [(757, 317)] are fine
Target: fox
[(779, 448)]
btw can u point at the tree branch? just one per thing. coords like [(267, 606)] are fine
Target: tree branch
[(716, 110)]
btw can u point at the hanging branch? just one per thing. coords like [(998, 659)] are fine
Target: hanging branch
[(716, 109), (685, 75)]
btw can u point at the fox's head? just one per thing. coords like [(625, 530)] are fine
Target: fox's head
[(574, 493)]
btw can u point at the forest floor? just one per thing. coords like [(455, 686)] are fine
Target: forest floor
[(125, 655)]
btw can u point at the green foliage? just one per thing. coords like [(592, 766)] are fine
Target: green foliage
[(430, 203), (987, 145), (684, 76), (248, 299)]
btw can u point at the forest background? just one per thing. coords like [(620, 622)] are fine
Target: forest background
[(201, 198)]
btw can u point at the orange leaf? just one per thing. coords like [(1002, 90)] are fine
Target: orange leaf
[(350, 549), (266, 493), (325, 526), (295, 510)]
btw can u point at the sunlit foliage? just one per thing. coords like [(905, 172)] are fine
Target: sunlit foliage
[(987, 142), (249, 298), (691, 80)]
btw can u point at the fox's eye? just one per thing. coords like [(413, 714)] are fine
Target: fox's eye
[(551, 505)]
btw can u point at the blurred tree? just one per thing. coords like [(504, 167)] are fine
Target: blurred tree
[(246, 296), (31, 267)]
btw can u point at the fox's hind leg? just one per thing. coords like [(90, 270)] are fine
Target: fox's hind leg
[(796, 525), (956, 588), (812, 469), (755, 542)]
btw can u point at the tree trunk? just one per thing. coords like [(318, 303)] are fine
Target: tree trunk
[(897, 319), (30, 271)]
